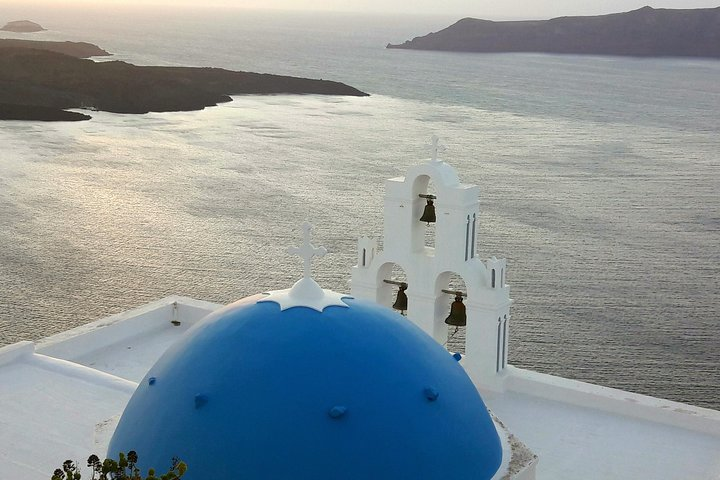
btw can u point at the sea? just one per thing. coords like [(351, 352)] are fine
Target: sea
[(599, 181)]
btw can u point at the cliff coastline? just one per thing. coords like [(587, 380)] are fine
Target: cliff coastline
[(38, 83), (646, 32)]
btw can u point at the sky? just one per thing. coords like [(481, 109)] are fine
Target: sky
[(490, 9)]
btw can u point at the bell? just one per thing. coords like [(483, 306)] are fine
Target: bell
[(401, 300), (457, 317), (429, 212)]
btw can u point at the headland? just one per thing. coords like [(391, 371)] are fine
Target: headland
[(36, 84), (646, 32)]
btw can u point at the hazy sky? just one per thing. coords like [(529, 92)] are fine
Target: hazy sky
[(491, 9)]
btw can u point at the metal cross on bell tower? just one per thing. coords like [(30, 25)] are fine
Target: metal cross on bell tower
[(435, 148)]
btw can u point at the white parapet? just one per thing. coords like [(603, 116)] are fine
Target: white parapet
[(166, 313), (613, 401)]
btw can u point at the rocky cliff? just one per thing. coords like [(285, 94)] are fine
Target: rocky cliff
[(643, 32)]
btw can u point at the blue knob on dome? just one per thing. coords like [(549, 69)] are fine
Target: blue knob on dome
[(337, 411), (200, 400), (431, 394)]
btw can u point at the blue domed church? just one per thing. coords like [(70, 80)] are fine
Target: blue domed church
[(307, 383)]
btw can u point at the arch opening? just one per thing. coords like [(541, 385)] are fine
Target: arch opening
[(424, 234), (387, 292), (454, 336)]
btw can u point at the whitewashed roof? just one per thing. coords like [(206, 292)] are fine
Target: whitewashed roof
[(60, 399)]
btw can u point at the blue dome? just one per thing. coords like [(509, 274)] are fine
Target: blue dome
[(355, 392)]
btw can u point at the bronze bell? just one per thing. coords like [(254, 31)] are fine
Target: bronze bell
[(401, 300), (457, 317), (429, 212)]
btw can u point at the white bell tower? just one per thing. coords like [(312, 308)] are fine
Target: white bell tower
[(429, 269)]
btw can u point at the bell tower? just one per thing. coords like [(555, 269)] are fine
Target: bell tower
[(429, 269)]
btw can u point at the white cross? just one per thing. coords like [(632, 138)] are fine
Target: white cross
[(307, 250), (436, 148)]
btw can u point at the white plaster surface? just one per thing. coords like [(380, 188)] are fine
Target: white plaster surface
[(575, 442), (48, 412), (132, 357), (131, 341), (612, 400), (306, 293)]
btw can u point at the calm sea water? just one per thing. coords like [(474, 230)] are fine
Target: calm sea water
[(599, 181)]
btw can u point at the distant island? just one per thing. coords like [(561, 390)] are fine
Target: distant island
[(22, 26), (38, 84), (646, 32)]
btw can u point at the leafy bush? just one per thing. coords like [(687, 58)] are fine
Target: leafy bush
[(125, 468)]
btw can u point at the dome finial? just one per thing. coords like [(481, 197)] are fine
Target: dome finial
[(307, 250), (306, 292)]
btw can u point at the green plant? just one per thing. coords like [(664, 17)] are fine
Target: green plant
[(125, 468)]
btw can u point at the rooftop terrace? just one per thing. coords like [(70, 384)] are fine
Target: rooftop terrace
[(60, 399)]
